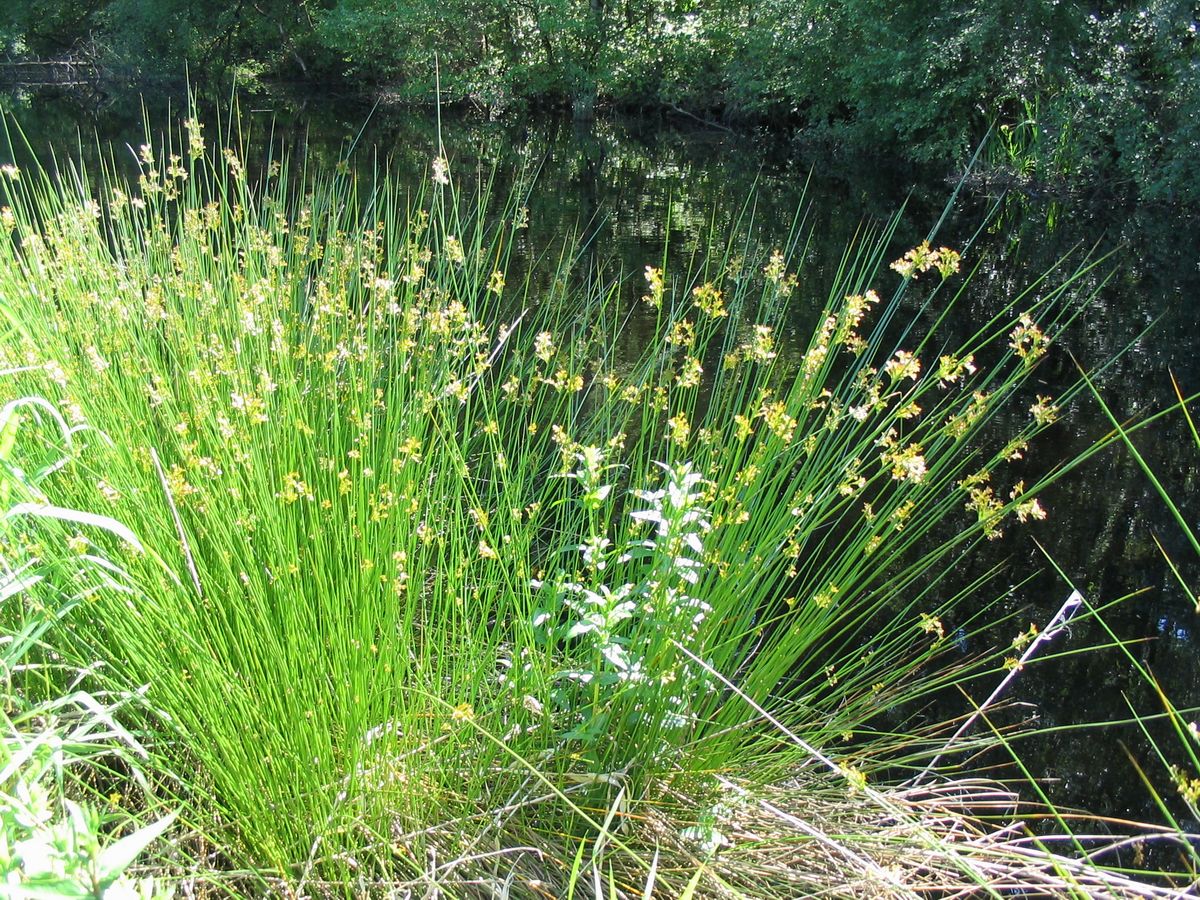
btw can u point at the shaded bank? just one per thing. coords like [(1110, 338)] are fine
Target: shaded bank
[(1072, 90)]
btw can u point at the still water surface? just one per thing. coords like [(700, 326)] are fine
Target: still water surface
[(624, 186)]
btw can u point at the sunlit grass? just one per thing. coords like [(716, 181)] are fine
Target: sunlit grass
[(439, 561)]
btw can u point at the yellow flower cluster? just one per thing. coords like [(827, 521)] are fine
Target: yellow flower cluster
[(951, 368), (709, 301), (932, 625), (1188, 787), (906, 463), (1027, 340), (654, 285), (1044, 411), (902, 365), (922, 258)]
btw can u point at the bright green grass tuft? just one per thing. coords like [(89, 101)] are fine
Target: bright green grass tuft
[(425, 540)]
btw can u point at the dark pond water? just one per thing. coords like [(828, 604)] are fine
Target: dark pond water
[(624, 184)]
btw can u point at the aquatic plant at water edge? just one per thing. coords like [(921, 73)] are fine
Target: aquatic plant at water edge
[(425, 533)]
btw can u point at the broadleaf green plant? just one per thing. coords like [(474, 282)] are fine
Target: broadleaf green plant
[(53, 847)]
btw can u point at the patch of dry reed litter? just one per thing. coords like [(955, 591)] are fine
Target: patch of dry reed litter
[(808, 838), (813, 840)]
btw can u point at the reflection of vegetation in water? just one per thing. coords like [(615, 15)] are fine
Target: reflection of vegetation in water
[(1171, 739)]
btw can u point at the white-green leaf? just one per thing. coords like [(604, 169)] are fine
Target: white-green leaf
[(116, 858), (45, 510), (49, 888)]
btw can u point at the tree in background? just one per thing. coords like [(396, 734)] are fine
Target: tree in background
[(1072, 87), (1130, 110), (48, 28), (569, 52), (163, 37), (210, 36), (889, 73)]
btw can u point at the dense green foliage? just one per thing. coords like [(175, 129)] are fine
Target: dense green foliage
[(1079, 90)]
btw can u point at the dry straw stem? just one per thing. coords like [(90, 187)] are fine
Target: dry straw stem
[(807, 838), (811, 840), (183, 541)]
